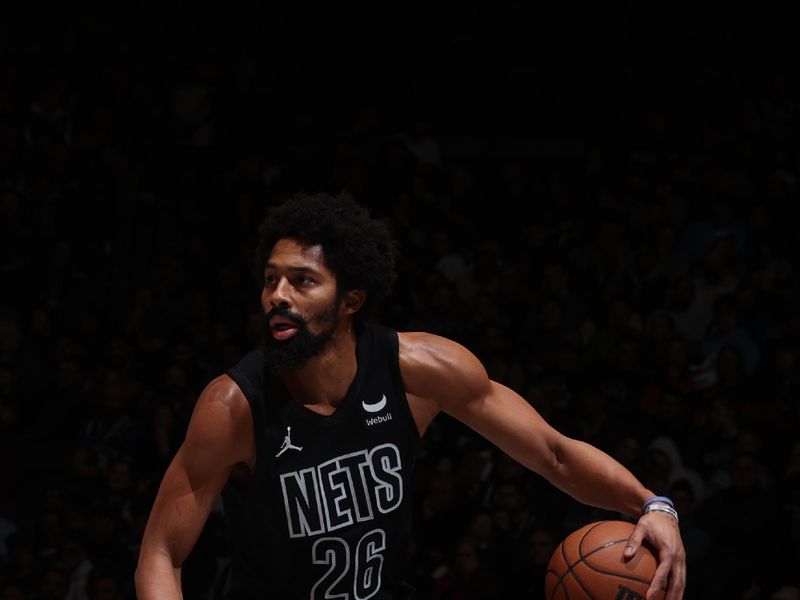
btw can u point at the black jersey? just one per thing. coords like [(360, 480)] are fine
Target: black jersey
[(327, 512)]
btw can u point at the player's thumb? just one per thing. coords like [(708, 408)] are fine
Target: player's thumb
[(633, 544)]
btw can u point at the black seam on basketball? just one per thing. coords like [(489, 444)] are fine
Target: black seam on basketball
[(583, 537), (582, 559), (597, 570), (561, 579), (569, 570), (615, 574), (557, 583)]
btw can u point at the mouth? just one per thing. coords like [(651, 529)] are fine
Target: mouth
[(282, 328)]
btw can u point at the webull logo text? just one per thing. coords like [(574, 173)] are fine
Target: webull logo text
[(379, 419)]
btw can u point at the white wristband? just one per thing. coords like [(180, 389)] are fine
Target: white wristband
[(661, 507)]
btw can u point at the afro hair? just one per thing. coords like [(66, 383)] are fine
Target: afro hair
[(357, 248)]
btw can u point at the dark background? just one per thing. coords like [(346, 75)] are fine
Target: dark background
[(600, 201)]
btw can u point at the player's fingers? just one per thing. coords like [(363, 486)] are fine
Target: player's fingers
[(659, 582), (677, 581), (634, 542)]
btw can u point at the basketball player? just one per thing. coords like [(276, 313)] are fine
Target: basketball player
[(311, 438)]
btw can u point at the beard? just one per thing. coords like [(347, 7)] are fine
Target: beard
[(280, 355)]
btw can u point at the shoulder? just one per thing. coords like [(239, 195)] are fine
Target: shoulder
[(222, 420), (223, 397), (426, 349), (438, 368)]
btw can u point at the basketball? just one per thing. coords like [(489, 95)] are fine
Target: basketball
[(588, 565)]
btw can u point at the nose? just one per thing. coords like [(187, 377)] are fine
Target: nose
[(280, 294)]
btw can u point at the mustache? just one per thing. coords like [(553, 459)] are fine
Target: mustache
[(287, 314)]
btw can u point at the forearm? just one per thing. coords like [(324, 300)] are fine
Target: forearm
[(593, 477), (157, 579)]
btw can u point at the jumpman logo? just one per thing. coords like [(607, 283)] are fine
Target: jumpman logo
[(287, 443)]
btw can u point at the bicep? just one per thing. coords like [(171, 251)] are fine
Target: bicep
[(452, 379), (181, 508), (195, 477)]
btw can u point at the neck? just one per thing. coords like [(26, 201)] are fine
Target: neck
[(322, 383)]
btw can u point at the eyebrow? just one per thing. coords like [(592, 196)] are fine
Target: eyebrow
[(293, 269)]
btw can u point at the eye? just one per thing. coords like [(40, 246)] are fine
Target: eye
[(305, 280), (270, 280)]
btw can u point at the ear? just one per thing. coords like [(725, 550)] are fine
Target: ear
[(352, 301)]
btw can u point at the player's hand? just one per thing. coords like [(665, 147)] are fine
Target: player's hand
[(661, 531)]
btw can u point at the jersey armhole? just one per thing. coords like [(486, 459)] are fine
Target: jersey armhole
[(397, 381), (254, 395)]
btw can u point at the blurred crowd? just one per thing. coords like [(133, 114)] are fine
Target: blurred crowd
[(616, 246)]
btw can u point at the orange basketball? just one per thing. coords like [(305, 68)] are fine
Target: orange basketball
[(588, 565)]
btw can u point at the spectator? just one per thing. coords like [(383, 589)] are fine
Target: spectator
[(657, 230), (466, 578), (526, 580)]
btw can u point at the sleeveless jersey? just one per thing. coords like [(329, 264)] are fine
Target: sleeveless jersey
[(327, 513)]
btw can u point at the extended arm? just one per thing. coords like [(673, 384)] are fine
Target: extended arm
[(579, 469), (219, 436), (442, 374)]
